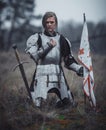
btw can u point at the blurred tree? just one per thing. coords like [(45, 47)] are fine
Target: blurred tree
[(99, 38), (2, 6), (97, 35), (14, 16)]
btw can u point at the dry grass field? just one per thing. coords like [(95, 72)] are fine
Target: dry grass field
[(18, 113)]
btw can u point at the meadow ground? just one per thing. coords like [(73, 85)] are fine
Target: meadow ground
[(18, 113)]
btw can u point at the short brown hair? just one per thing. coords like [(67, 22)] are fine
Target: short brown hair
[(48, 15)]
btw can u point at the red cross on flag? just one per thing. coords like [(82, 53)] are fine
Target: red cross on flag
[(86, 61)]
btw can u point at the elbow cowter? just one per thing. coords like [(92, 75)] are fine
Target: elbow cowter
[(41, 53), (71, 63), (69, 60)]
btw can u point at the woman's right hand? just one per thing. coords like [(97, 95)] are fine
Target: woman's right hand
[(53, 42)]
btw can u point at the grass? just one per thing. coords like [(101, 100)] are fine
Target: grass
[(17, 112)]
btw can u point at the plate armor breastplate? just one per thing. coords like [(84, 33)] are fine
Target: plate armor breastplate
[(53, 57)]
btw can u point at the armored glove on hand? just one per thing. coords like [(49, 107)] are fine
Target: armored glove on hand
[(77, 68), (39, 54), (80, 72)]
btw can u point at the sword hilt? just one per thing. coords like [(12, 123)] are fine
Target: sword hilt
[(14, 46), (16, 53)]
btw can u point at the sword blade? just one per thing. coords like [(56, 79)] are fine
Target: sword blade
[(25, 79)]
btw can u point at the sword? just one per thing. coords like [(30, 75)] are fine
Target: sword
[(20, 65)]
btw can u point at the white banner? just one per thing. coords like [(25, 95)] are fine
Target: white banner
[(85, 59)]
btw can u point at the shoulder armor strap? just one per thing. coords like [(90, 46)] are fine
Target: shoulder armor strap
[(39, 41)]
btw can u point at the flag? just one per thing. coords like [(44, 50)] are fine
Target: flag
[(84, 58)]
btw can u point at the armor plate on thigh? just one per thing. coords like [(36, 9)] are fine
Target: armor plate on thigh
[(47, 78)]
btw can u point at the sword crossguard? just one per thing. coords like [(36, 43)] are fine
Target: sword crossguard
[(15, 67)]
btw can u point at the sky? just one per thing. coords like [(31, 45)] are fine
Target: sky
[(73, 9)]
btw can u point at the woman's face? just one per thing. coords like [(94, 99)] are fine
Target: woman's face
[(50, 24)]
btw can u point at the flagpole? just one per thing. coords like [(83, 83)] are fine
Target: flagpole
[(89, 87), (84, 17)]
